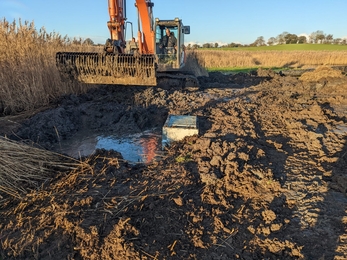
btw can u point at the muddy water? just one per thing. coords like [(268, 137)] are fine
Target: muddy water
[(137, 148)]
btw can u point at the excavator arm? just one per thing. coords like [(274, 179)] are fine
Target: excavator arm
[(146, 38), (116, 65), (139, 62), (116, 10), (116, 26)]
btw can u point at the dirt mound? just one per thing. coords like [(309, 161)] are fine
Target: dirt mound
[(322, 73), (264, 179)]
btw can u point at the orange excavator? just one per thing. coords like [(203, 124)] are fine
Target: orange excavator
[(133, 62)]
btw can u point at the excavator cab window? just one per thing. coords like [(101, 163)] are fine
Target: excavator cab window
[(167, 43)]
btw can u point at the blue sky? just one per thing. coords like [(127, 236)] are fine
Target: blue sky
[(222, 21)]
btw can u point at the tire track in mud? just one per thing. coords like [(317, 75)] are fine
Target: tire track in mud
[(302, 131), (319, 211), (265, 179)]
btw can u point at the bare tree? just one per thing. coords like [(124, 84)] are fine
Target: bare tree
[(281, 38), (271, 41), (329, 38), (320, 38), (317, 37), (337, 41), (259, 41)]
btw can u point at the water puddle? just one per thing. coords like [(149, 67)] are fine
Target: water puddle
[(138, 148)]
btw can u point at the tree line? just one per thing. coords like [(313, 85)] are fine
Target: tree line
[(317, 37)]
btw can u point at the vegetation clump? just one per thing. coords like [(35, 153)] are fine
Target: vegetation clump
[(23, 167), (321, 72), (28, 75)]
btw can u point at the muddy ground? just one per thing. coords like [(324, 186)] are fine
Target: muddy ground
[(265, 178)]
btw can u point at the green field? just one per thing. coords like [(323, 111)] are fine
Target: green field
[(288, 47)]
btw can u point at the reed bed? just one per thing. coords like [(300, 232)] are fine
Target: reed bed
[(28, 75), (269, 59), (29, 78), (24, 167)]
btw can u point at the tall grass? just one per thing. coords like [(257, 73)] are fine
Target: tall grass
[(289, 47), (214, 59), (28, 74)]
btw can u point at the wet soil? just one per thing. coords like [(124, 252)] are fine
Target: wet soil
[(265, 178)]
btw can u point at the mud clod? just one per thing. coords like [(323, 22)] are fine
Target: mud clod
[(264, 179)]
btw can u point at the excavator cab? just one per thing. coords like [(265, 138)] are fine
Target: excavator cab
[(169, 41)]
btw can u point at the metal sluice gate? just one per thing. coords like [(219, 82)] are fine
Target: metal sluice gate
[(109, 68)]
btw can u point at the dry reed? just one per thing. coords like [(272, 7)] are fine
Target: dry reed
[(270, 59), (28, 75), (29, 78), (23, 166), (321, 72)]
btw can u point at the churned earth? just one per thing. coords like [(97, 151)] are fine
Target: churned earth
[(265, 178)]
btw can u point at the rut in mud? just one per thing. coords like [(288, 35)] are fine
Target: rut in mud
[(264, 179)]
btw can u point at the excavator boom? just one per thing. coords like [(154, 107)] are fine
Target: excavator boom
[(139, 62), (116, 64)]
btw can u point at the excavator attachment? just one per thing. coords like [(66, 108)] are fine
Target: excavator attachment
[(108, 68)]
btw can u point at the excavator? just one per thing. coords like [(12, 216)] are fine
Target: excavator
[(134, 62)]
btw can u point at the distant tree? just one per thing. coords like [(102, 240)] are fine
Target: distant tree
[(313, 36), (317, 37), (302, 39), (88, 41), (337, 41), (234, 45), (206, 45), (216, 45), (291, 38), (271, 41), (189, 46), (329, 38), (195, 46), (259, 41), (320, 38), (344, 42), (281, 38)]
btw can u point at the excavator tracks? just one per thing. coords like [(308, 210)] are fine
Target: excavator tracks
[(108, 68)]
